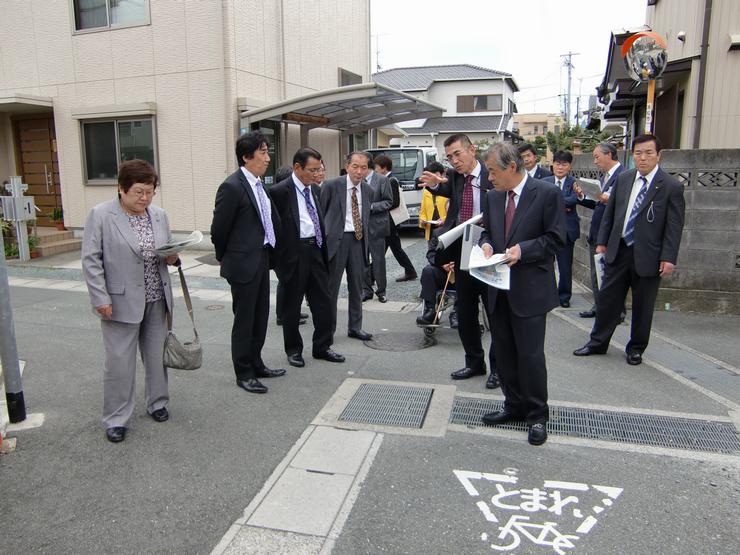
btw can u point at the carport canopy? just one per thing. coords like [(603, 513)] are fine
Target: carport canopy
[(349, 109)]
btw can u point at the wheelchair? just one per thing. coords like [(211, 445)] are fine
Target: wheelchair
[(446, 301)]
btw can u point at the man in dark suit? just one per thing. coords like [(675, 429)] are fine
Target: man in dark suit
[(345, 201), (243, 232), (605, 159), (523, 218), (640, 235), (381, 201), (465, 185), (529, 155), (302, 265), (561, 164)]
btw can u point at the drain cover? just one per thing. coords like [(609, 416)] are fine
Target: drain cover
[(621, 427), (390, 405), (401, 341)]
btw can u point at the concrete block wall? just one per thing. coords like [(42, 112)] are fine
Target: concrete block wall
[(707, 276)]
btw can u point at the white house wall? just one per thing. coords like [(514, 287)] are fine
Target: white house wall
[(445, 93), (193, 61)]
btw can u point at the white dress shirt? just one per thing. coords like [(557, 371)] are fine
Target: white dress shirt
[(252, 180), (349, 224), (306, 223), (636, 186)]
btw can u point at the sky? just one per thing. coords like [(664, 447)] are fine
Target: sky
[(523, 37)]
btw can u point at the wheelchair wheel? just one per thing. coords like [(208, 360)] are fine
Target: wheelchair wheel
[(429, 331)]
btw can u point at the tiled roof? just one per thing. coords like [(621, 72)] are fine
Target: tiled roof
[(420, 78), (459, 124)]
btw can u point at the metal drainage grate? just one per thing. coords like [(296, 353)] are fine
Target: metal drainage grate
[(401, 341), (621, 427), (390, 405)]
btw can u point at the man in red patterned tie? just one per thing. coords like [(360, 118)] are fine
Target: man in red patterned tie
[(465, 185), (524, 218)]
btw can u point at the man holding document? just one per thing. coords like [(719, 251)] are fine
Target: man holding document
[(466, 186), (524, 219)]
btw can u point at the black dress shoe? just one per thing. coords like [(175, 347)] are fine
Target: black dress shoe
[(270, 372), (427, 318), (590, 313), (253, 385), (465, 373), (329, 355), (359, 334), (537, 434), (634, 359), (407, 277), (382, 298), (116, 434), (493, 382), (160, 415), (565, 304), (367, 297), (499, 417), (296, 360), (587, 351), (453, 320)]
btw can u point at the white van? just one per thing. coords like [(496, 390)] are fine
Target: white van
[(408, 163)]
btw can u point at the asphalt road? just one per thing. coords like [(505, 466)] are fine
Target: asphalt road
[(177, 487)]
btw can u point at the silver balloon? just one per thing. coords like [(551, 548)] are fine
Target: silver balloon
[(646, 59)]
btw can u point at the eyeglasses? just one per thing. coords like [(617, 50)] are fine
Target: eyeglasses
[(454, 155), (142, 193)]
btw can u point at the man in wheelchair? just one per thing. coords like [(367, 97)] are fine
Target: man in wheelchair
[(433, 279)]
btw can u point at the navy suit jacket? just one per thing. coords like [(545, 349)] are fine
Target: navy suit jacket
[(284, 197), (539, 229), (598, 207), (237, 232), (658, 225), (542, 173), (572, 221)]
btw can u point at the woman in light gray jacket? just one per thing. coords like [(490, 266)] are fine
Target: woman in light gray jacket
[(129, 288)]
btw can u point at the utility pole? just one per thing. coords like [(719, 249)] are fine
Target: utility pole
[(568, 63)]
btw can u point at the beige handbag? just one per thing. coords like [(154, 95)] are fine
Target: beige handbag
[(178, 355)]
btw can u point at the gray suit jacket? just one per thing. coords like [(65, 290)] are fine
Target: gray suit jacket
[(334, 204), (112, 262), (381, 201)]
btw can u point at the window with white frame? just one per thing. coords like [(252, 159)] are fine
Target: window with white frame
[(107, 143), (97, 14)]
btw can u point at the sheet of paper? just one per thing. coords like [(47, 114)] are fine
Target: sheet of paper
[(497, 276), (591, 187), (479, 260), (177, 246), (600, 265), (449, 237)]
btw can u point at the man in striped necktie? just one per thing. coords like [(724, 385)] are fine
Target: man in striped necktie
[(640, 235)]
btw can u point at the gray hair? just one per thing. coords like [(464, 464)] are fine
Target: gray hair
[(504, 154), (608, 149), (360, 153)]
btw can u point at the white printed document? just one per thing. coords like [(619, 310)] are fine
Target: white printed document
[(492, 271)]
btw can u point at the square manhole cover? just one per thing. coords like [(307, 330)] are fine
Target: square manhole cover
[(389, 405)]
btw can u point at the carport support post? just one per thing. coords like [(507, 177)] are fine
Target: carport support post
[(9, 349), (304, 135)]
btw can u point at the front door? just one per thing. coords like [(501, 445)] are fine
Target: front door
[(36, 152)]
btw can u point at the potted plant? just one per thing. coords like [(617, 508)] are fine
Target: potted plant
[(57, 216), (33, 242)]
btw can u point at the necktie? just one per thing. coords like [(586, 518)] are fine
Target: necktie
[(602, 183), (629, 231), (466, 207), (356, 219), (313, 215), (264, 214), (560, 184), (509, 214)]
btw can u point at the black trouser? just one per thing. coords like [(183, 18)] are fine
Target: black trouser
[(519, 343), (565, 271), (469, 291), (595, 282), (251, 307), (310, 278), (394, 242), (619, 277)]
